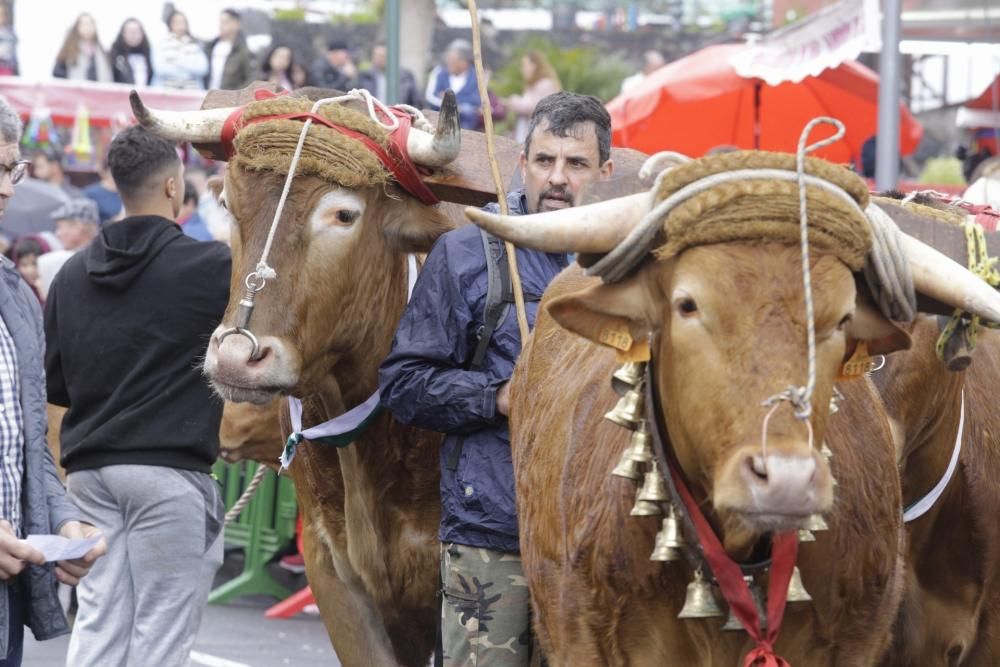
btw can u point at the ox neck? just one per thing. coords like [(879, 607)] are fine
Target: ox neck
[(349, 426)]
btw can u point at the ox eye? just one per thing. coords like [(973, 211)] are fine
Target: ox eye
[(844, 321), (346, 216), (686, 306)]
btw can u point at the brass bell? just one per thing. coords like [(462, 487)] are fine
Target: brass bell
[(628, 411), (645, 508), (628, 467), (806, 535), (627, 377), (733, 623), (816, 523), (826, 452), (796, 589), (639, 450), (653, 488), (670, 539), (699, 601)]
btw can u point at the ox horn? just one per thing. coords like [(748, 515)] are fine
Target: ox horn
[(199, 127), (938, 276), (594, 228), (440, 148)]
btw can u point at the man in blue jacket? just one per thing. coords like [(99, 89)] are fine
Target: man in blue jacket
[(432, 380), (457, 74)]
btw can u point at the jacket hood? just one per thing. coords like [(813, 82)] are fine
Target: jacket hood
[(123, 249)]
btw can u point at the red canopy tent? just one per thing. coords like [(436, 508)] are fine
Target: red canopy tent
[(699, 102)]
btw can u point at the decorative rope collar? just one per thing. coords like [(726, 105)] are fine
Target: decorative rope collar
[(395, 158), (922, 506), (343, 430)]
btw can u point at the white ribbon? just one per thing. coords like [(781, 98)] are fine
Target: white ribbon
[(346, 422), (919, 508)]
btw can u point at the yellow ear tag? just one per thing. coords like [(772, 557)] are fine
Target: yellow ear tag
[(638, 352), (859, 363), (617, 335)]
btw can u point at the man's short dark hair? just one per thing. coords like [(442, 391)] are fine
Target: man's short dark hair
[(136, 157), (564, 110), (231, 13)]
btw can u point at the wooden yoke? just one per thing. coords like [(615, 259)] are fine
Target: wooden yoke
[(467, 181)]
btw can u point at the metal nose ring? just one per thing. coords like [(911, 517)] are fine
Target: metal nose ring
[(255, 352)]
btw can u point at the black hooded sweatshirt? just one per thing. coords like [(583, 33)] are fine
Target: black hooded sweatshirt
[(127, 323)]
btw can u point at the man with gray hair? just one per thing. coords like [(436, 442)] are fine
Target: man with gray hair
[(458, 75), (32, 498)]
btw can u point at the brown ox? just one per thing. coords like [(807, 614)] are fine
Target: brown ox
[(728, 331), (252, 432), (370, 510), (951, 612)]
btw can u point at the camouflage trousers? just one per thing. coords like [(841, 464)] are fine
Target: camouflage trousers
[(486, 610)]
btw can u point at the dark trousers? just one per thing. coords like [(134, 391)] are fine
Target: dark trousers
[(15, 629)]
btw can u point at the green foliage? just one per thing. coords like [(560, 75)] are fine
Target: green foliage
[(297, 14), (942, 171), (581, 69)]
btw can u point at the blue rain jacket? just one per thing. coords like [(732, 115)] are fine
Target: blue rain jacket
[(424, 381)]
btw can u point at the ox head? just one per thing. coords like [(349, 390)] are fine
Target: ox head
[(340, 258), (727, 328)]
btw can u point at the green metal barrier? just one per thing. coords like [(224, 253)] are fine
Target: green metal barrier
[(265, 526)]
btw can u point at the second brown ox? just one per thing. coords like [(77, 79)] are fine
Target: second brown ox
[(370, 510), (726, 321)]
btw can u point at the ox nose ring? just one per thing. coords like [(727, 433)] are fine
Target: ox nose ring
[(243, 313), (255, 352)]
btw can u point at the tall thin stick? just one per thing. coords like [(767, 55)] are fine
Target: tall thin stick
[(491, 150)]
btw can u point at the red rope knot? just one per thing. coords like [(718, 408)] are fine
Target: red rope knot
[(763, 655)]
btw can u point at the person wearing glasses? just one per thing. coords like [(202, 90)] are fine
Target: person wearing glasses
[(32, 498)]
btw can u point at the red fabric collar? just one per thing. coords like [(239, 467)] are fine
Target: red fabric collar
[(395, 157), (784, 550)]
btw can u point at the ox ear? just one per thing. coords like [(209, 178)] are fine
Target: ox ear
[(414, 227), (870, 325), (614, 315), (215, 186)]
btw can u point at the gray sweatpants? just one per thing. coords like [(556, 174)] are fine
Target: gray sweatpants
[(141, 604)]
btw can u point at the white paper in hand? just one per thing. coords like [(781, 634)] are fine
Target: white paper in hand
[(57, 547)]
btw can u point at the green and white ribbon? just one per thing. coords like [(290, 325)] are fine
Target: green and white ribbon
[(343, 430)]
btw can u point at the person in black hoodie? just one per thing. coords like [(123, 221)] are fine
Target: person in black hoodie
[(126, 324)]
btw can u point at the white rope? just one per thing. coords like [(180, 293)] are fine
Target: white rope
[(803, 406), (919, 508), (263, 271)]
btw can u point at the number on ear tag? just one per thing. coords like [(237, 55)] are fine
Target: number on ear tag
[(859, 363)]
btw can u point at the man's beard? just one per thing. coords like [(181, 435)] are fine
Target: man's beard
[(555, 192)]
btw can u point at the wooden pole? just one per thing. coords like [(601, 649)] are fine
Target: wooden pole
[(484, 100)]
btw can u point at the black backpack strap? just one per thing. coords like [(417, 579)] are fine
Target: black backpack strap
[(499, 296)]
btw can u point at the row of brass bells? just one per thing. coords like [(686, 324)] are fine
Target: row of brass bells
[(734, 623), (796, 589), (699, 601), (638, 454), (628, 411), (814, 524), (653, 492), (628, 377), (670, 539)]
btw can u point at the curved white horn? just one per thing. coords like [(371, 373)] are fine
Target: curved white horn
[(594, 228), (938, 276), (440, 148), (199, 127)]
